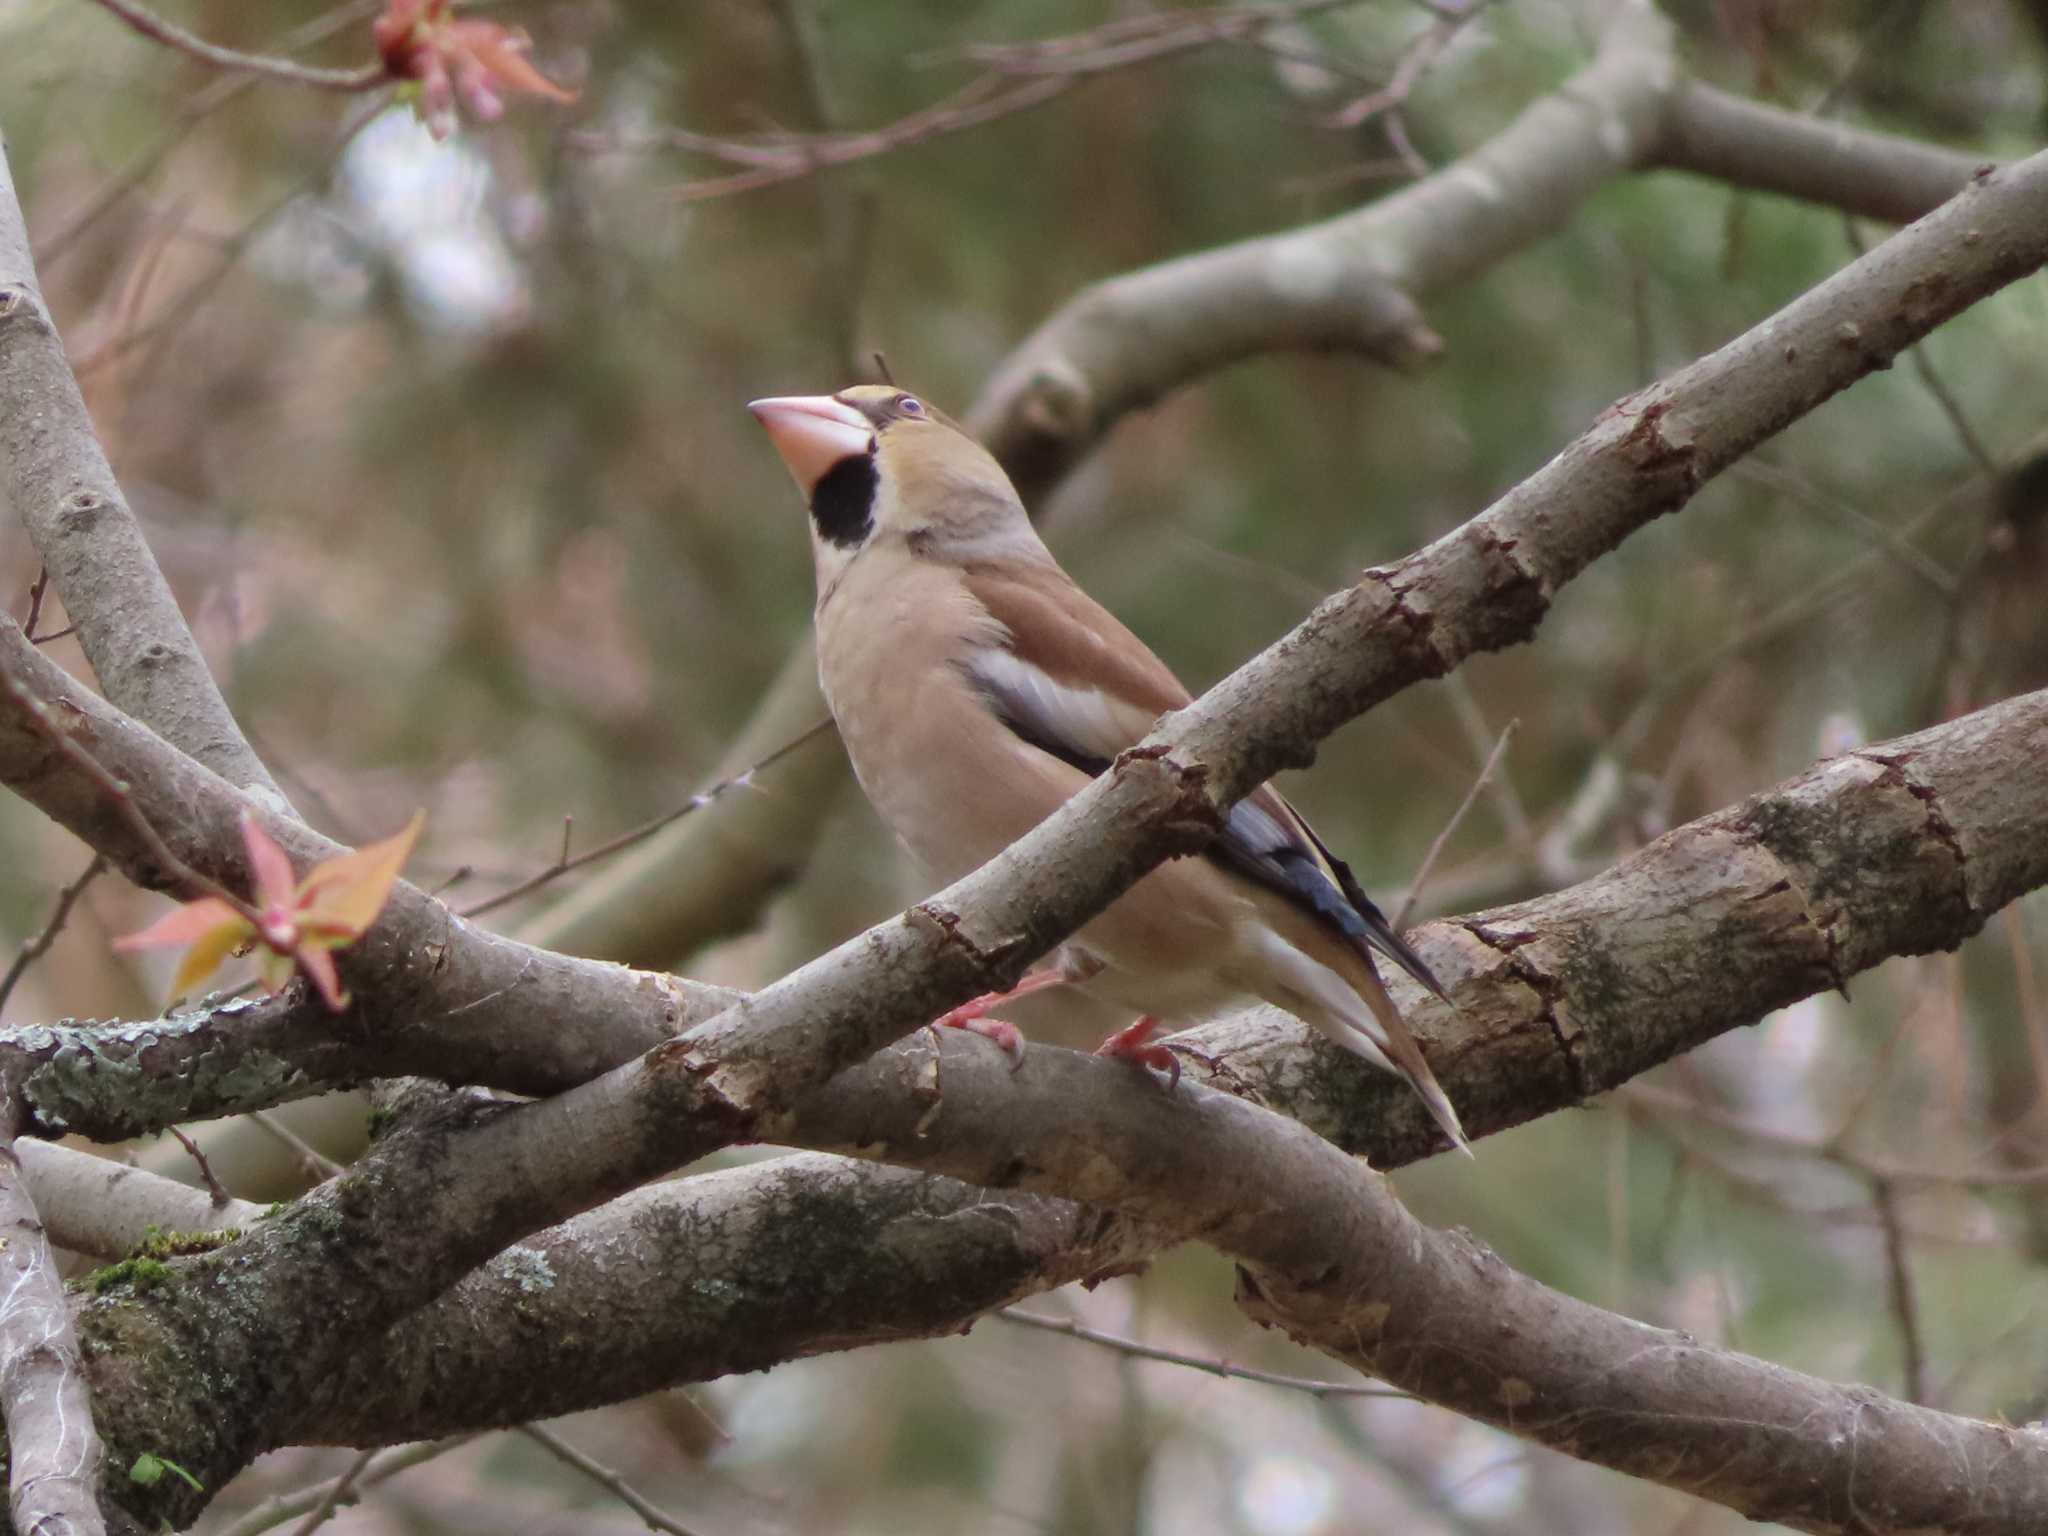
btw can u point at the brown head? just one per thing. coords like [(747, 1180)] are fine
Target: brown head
[(875, 463)]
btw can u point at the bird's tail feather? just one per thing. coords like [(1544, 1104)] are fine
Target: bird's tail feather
[(1329, 1001)]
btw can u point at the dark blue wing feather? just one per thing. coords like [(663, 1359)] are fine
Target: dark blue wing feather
[(1264, 839)]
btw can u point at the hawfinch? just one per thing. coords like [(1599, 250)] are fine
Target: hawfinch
[(977, 688)]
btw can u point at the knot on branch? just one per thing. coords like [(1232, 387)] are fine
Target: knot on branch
[(80, 510), (1191, 818)]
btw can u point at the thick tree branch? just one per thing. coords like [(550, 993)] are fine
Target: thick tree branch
[(1899, 848), (726, 1272), (1342, 1266), (55, 475), (106, 1209), (1907, 844), (422, 975)]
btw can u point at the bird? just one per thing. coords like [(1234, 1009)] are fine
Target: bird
[(976, 688)]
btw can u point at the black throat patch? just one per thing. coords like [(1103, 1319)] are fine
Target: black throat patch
[(843, 502)]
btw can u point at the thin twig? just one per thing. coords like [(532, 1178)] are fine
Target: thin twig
[(1223, 1368), (171, 35), (1932, 381), (1436, 848), (192, 112), (656, 1518), (60, 913), (696, 802), (221, 1198), (338, 1490), (1662, 1101), (1480, 738), (1909, 556), (116, 790), (1016, 78), (1414, 63), (178, 311), (845, 212), (315, 1162), (1140, 39), (385, 1465), (1899, 1288), (38, 590)]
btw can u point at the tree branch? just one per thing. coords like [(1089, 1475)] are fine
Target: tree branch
[(1767, 149), (56, 477), (54, 1455), (290, 71)]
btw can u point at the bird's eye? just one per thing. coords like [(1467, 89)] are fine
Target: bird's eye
[(909, 405)]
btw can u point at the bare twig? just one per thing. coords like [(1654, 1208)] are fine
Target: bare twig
[(60, 913), (383, 1465), (1443, 836), (1931, 380), (1415, 62), (195, 110), (845, 208), (38, 589), (116, 791), (656, 1518), (1899, 1289), (340, 1488), (1141, 39), (1017, 77), (171, 35), (563, 863), (214, 1188), (316, 1163), (790, 156), (1909, 556), (1210, 1367), (1658, 1101), (175, 313)]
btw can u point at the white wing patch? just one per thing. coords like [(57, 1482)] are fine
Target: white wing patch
[(1078, 724)]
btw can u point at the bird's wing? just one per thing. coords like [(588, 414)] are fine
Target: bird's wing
[(1268, 840), (1068, 678)]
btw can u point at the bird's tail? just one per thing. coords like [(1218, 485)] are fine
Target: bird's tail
[(1329, 1000), (1399, 1047)]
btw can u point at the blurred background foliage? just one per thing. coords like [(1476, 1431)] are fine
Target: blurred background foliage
[(443, 448)]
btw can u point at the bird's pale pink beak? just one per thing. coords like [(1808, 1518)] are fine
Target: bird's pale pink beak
[(812, 433)]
